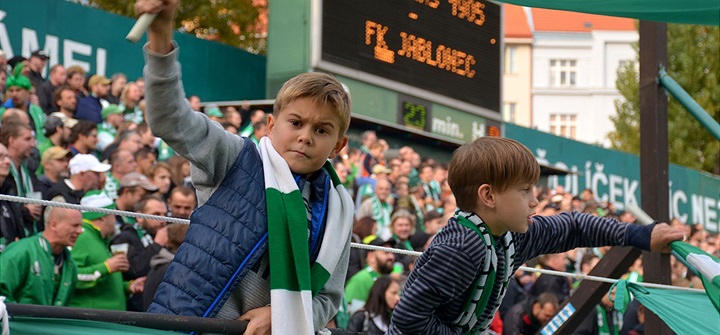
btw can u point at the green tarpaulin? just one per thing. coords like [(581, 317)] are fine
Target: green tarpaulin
[(704, 12), (685, 312)]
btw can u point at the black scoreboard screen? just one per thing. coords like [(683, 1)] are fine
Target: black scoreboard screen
[(449, 47)]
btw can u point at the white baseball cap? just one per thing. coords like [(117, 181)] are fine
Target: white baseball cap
[(84, 163)]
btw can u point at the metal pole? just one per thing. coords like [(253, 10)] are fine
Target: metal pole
[(689, 103), (654, 153), (145, 320)]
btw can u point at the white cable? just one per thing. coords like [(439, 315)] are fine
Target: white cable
[(91, 209), (4, 318), (354, 245)]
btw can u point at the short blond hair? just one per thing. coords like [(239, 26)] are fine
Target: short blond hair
[(496, 161), (320, 87)]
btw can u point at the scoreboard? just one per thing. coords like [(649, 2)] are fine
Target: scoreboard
[(447, 47)]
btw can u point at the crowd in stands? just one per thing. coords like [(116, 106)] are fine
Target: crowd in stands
[(82, 139)]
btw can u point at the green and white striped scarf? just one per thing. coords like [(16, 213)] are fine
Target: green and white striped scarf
[(293, 282)]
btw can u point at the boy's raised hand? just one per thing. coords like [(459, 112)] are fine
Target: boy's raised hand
[(661, 236), (161, 30)]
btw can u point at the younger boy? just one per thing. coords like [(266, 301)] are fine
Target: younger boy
[(274, 222), (459, 281)]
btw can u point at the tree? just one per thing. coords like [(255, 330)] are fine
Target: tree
[(233, 22), (694, 62)]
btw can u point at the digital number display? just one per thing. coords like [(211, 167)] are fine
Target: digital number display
[(414, 113), (449, 47)]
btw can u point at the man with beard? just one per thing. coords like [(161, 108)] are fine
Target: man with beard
[(55, 168), (379, 263), (66, 101), (528, 317)]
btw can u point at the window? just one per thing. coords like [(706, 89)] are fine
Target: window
[(563, 73), (563, 125), (623, 64), (509, 112), (511, 59)]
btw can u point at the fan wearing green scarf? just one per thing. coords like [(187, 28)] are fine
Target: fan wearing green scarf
[(296, 285), (18, 90), (457, 284)]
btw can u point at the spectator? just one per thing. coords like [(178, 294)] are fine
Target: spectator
[(36, 64), (256, 116), (516, 292), (232, 116), (559, 286), (18, 140), (55, 162), (362, 228), (39, 270), (160, 262), (402, 226), (145, 158), (18, 89), (57, 131), (89, 107), (46, 89), (117, 84), (366, 187), (432, 190), (129, 140), (605, 320), (112, 118), (379, 208), (100, 283), (259, 131), (122, 162), (181, 202), (76, 81), (379, 263), (146, 136), (160, 175), (86, 174), (133, 187), (374, 318), (368, 137), (66, 101), (11, 221), (145, 239), (130, 103), (84, 138), (528, 317), (195, 103)]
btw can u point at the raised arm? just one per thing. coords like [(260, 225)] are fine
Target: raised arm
[(192, 135)]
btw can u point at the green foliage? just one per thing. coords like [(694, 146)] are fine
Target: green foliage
[(211, 19), (694, 62)]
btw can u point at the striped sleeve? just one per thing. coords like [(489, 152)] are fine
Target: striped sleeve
[(566, 231), (444, 276)]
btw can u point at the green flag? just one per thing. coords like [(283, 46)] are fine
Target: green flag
[(703, 265)]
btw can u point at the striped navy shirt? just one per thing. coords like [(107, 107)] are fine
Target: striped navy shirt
[(442, 279)]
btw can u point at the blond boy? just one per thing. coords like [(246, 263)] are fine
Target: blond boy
[(459, 281), (269, 214)]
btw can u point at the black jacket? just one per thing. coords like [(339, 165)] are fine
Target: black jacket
[(11, 218), (61, 188), (138, 255)]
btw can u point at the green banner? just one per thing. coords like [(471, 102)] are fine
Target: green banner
[(72, 34), (614, 176)]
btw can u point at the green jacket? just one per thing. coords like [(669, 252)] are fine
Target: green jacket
[(27, 273), (96, 286)]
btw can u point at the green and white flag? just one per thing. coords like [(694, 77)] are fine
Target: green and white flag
[(704, 265), (293, 282)]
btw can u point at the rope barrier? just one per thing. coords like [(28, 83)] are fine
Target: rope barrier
[(91, 209), (354, 245)]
